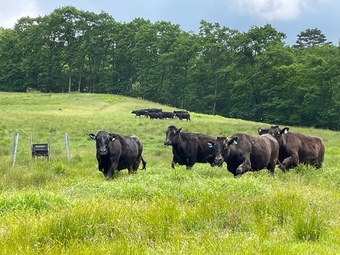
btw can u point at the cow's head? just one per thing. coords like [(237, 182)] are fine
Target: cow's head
[(172, 134), (221, 148), (277, 132), (102, 141)]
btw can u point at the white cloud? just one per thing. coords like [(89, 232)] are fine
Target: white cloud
[(12, 10), (271, 9)]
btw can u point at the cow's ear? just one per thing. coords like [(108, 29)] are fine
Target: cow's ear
[(210, 144), (233, 140), (179, 130), (285, 130), (92, 136), (112, 137)]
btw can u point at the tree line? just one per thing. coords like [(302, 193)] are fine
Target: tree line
[(249, 75)]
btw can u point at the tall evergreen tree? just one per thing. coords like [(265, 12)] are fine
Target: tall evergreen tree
[(310, 37)]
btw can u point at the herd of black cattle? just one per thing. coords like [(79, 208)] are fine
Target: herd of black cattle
[(156, 113), (241, 152)]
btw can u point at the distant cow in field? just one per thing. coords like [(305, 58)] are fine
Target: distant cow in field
[(117, 152), (188, 148), (298, 148), (139, 112), (182, 115), (244, 153), (154, 115), (168, 115)]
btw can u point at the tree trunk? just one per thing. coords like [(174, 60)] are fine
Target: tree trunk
[(69, 82), (79, 82)]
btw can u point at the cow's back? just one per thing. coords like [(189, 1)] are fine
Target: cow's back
[(139, 144)]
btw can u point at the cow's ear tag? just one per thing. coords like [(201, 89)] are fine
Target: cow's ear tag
[(93, 137), (234, 142), (210, 145), (112, 138)]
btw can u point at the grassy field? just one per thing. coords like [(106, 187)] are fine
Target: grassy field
[(61, 207)]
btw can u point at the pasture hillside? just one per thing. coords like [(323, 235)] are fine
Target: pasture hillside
[(67, 207)]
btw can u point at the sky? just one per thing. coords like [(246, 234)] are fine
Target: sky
[(287, 16)]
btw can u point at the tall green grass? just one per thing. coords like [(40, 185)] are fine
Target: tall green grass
[(60, 207)]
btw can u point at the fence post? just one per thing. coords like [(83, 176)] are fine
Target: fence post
[(50, 146), (15, 147), (67, 147)]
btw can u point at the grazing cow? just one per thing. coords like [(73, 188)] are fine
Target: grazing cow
[(154, 115), (168, 115), (182, 115), (188, 148), (139, 112), (117, 152), (244, 153), (298, 148)]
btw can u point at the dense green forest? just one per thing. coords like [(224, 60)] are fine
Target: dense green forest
[(249, 75)]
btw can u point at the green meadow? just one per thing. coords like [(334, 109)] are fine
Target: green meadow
[(58, 206)]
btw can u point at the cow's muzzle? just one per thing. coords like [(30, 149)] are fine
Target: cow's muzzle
[(102, 151), (218, 161)]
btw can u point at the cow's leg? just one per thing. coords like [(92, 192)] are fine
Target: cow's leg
[(133, 169), (318, 164), (190, 162), (239, 171), (290, 162), (100, 167), (173, 163), (242, 168), (109, 174), (271, 167)]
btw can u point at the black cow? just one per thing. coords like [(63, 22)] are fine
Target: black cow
[(182, 115), (117, 152), (154, 115), (189, 148), (168, 115), (244, 153), (139, 112), (298, 148)]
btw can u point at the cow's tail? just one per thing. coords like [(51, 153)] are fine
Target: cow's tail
[(144, 164)]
